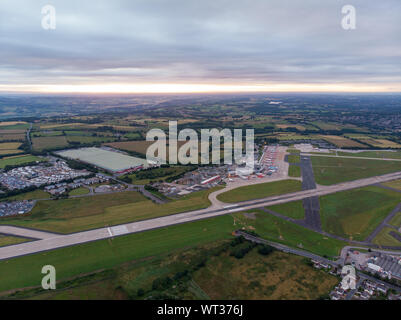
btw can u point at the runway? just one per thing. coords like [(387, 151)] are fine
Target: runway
[(54, 241)]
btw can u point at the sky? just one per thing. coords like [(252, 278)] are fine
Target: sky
[(200, 46)]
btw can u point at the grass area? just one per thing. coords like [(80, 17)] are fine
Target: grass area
[(292, 158), (157, 174), (342, 142), (9, 145), (372, 154), (385, 239), (18, 160), (77, 260), (77, 214), (330, 170), (278, 276), (294, 171), (396, 184), (294, 151), (260, 190), (32, 195), (9, 240), (78, 191), (42, 143), (396, 221), (136, 146), (345, 216), (292, 209), (88, 139), (379, 143), (275, 229)]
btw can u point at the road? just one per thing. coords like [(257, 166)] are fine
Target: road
[(311, 205), (28, 136), (59, 241)]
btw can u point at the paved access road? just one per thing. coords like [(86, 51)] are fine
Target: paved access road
[(59, 241)]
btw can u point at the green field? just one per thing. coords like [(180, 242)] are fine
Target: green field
[(42, 143), (261, 190), (77, 214), (78, 191), (32, 195), (77, 260), (9, 240), (356, 213), (385, 239), (292, 158), (157, 174), (89, 139), (277, 275), (396, 184), (292, 209), (294, 171), (332, 170), (275, 229), (18, 160), (373, 154), (396, 221)]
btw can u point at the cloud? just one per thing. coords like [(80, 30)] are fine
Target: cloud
[(211, 41)]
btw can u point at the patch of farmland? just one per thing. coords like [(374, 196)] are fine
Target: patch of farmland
[(342, 142), (41, 143)]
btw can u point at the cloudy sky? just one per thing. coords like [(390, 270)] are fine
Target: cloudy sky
[(200, 45)]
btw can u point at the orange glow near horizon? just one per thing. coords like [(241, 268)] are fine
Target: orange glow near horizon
[(197, 88)]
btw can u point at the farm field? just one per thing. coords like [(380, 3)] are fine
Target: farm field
[(286, 126), (136, 146), (9, 240), (88, 139), (77, 214), (14, 125), (18, 160), (261, 190), (326, 125), (330, 170), (343, 216), (385, 239), (342, 142), (12, 135), (11, 123), (379, 143), (41, 143), (9, 145), (292, 209), (275, 229), (88, 257)]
